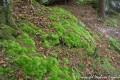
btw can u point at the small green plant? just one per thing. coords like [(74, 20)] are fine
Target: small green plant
[(111, 22), (22, 16), (66, 60), (107, 66)]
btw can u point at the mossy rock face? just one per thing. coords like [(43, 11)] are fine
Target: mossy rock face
[(7, 32), (69, 31), (23, 45)]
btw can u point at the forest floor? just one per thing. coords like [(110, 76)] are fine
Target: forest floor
[(90, 18), (105, 61), (93, 23)]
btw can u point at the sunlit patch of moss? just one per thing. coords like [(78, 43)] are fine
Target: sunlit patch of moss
[(12, 47), (50, 39), (68, 31), (26, 41), (30, 28), (24, 45), (114, 44), (27, 29), (41, 68)]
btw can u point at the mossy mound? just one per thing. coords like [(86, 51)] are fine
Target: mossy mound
[(34, 66), (42, 68), (21, 54), (67, 31)]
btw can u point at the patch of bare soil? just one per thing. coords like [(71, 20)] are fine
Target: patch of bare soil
[(90, 17)]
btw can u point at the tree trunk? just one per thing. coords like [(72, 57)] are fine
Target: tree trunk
[(102, 8), (6, 16), (8, 28)]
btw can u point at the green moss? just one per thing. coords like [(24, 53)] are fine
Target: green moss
[(66, 60), (26, 41), (7, 32), (107, 66), (68, 31), (27, 29), (39, 67), (24, 45), (11, 47), (114, 44), (46, 44), (82, 67), (75, 74), (50, 39), (1, 70), (30, 28), (6, 73), (22, 16), (111, 22)]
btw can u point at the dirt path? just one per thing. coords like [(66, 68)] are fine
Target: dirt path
[(89, 16)]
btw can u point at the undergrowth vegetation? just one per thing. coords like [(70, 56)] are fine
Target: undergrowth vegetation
[(22, 55), (24, 61), (67, 31), (111, 22), (43, 68), (94, 3), (106, 66), (114, 44)]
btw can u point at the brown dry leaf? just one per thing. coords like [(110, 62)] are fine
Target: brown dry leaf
[(20, 79), (19, 73), (2, 62)]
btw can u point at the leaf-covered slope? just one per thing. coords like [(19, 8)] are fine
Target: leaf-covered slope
[(65, 42), (67, 30)]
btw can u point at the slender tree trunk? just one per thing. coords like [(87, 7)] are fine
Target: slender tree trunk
[(6, 16), (102, 8)]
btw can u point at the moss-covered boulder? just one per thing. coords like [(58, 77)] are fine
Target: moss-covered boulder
[(7, 32)]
